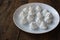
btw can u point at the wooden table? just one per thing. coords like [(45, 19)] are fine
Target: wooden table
[(9, 31)]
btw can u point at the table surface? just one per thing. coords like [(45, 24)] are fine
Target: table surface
[(9, 31)]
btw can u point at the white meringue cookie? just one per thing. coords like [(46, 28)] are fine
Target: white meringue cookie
[(33, 26), (23, 21), (43, 25), (30, 18)]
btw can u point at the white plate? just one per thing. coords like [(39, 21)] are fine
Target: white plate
[(26, 28)]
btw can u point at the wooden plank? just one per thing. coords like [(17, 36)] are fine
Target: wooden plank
[(7, 28)]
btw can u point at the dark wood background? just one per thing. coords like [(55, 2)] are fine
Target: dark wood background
[(8, 30)]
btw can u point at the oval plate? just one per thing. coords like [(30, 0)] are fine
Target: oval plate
[(26, 28)]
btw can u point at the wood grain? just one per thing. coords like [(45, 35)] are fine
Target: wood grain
[(9, 31)]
